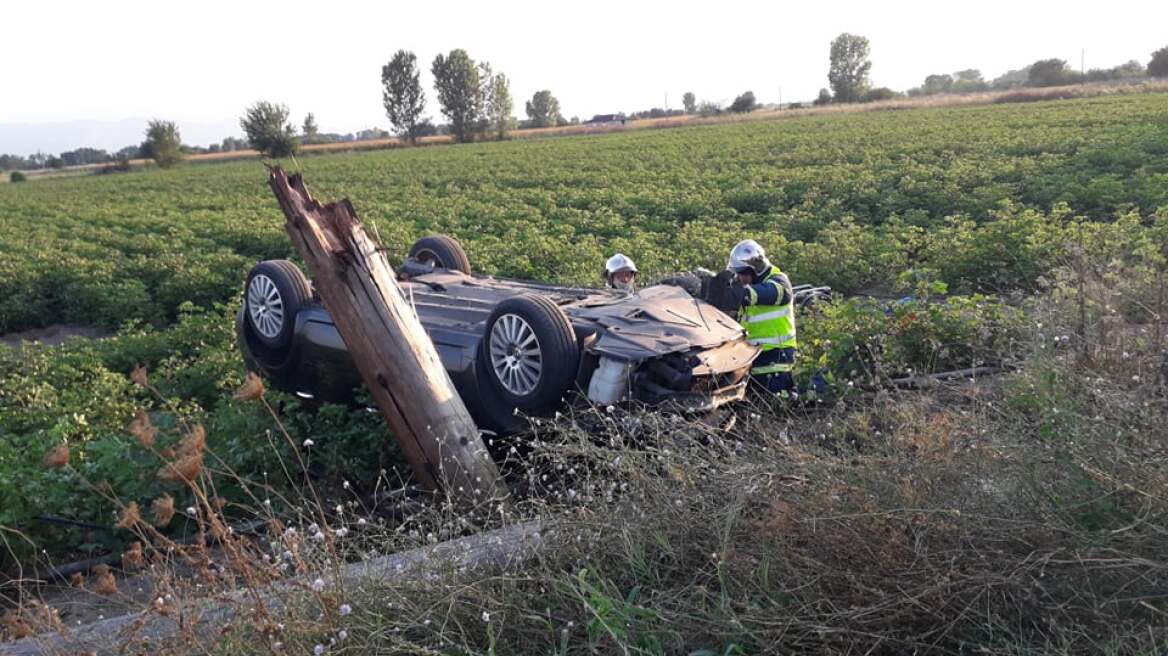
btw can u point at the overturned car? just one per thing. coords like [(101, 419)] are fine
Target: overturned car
[(508, 345)]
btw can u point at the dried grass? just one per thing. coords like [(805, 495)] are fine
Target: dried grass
[(163, 510), (57, 457), (1019, 516), (142, 429), (129, 517)]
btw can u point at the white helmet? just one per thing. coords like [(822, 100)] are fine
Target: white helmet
[(617, 264), (747, 254)]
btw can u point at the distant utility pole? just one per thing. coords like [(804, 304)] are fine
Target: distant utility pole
[(666, 101), (780, 99), (1082, 67)]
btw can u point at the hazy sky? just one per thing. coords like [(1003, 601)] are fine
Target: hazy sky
[(200, 63)]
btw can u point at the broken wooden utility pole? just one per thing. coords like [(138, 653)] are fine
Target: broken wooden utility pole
[(390, 348)]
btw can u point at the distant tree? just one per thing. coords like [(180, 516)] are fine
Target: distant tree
[(83, 156), (268, 130), (1128, 69), (1049, 73), (13, 162), (401, 93), (690, 102), (969, 81), (743, 103), (824, 98), (460, 93), (1099, 75), (16, 176), (879, 93), (709, 108), (55, 163), (128, 153), (543, 110), (371, 134), (163, 143), (1011, 79), (848, 73), (656, 112), (500, 105), (232, 144), (1158, 66), (310, 129), (937, 83)]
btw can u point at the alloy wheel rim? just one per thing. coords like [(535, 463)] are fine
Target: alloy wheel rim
[(516, 357), (265, 306)]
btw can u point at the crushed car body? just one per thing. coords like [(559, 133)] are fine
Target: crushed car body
[(510, 347)]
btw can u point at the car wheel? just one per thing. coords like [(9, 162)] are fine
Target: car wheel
[(812, 299), (441, 251), (529, 352), (274, 292), (691, 283)]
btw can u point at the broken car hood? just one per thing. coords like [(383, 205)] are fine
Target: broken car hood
[(655, 321)]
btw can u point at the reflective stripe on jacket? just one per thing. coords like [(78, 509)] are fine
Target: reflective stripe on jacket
[(770, 326)]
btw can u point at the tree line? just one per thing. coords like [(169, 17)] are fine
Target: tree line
[(850, 65), (477, 104)]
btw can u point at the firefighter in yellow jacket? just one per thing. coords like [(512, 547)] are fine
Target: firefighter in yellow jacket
[(767, 313)]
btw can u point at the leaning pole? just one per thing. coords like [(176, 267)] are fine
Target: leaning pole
[(390, 348)]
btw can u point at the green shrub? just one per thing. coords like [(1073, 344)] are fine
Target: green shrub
[(80, 394), (862, 341)]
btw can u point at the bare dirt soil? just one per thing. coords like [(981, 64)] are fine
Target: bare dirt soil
[(52, 335)]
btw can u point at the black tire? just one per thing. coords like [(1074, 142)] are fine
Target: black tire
[(810, 299), (442, 251), (691, 283), (285, 289), (721, 294), (558, 355)]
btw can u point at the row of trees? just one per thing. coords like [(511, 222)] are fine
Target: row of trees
[(848, 75), (475, 99), (162, 144), (78, 157), (1042, 73), (477, 102)]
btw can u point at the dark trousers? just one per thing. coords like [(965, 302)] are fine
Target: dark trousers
[(777, 382)]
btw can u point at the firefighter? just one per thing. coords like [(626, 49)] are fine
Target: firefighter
[(620, 272), (767, 313)]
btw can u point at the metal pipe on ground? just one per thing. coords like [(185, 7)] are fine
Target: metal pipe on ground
[(495, 550), (929, 380)]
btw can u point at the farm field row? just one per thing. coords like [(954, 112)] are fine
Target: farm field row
[(845, 200), (986, 201), (943, 100)]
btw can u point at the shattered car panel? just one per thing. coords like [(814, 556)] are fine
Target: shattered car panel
[(656, 321)]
